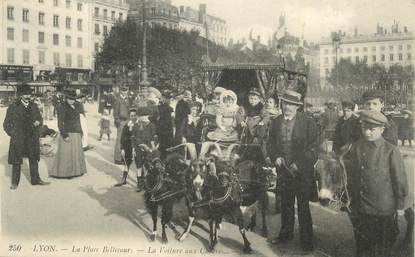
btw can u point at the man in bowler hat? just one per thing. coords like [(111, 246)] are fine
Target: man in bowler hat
[(292, 147), (22, 124)]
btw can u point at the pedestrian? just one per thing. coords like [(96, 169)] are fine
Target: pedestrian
[(80, 98), (144, 143), (292, 147), (70, 159), (122, 104), (48, 106), (126, 145), (377, 185), (164, 124), (181, 112), (21, 124), (347, 127), (329, 120), (406, 128), (373, 101), (104, 125)]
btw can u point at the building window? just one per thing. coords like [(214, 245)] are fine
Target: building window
[(96, 47), (40, 1), (68, 22), (349, 50), (10, 12), (382, 57), (374, 58), (79, 24), (68, 4), (68, 60), (364, 49), (357, 58), (41, 37), (400, 47), (10, 34), (10, 55), (55, 2), (80, 61), (340, 49), (41, 18), (391, 48), (105, 30), (356, 50), (25, 35), (327, 72), (68, 42), (56, 59), (120, 17), (113, 15), (400, 57), (97, 29), (96, 12), (56, 21), (382, 48), (153, 10), (79, 42), (79, 7), (41, 57), (408, 47), (373, 48), (105, 13), (326, 51), (26, 56), (391, 57), (25, 15), (349, 58), (409, 56), (56, 39)]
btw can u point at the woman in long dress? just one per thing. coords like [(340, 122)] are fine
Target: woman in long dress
[(70, 160)]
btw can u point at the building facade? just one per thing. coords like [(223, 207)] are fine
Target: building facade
[(105, 14), (384, 48), (164, 13), (45, 35)]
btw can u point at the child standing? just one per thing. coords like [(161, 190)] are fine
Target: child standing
[(377, 185), (104, 125)]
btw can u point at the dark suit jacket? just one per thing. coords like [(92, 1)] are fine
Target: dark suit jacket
[(24, 136), (304, 145)]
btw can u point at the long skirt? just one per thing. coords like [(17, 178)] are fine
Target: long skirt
[(84, 128), (117, 150), (70, 159)]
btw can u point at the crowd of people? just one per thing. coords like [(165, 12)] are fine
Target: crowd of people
[(149, 123)]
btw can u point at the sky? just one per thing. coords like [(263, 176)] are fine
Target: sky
[(312, 18)]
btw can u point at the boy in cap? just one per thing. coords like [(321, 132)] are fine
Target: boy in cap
[(377, 185), (144, 143), (252, 117), (126, 146), (347, 127), (373, 100)]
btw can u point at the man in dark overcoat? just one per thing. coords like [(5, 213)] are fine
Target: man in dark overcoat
[(292, 147), (347, 128), (122, 105), (22, 124)]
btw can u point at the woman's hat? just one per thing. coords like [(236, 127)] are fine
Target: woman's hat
[(407, 112), (292, 97), (154, 91), (24, 89)]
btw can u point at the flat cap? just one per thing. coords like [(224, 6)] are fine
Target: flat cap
[(254, 91), (374, 118), (144, 111), (372, 94), (348, 104)]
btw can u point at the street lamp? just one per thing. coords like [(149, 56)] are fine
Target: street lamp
[(336, 39), (144, 81)]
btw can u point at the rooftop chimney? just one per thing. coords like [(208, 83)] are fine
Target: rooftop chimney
[(355, 32), (405, 29), (202, 13)]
